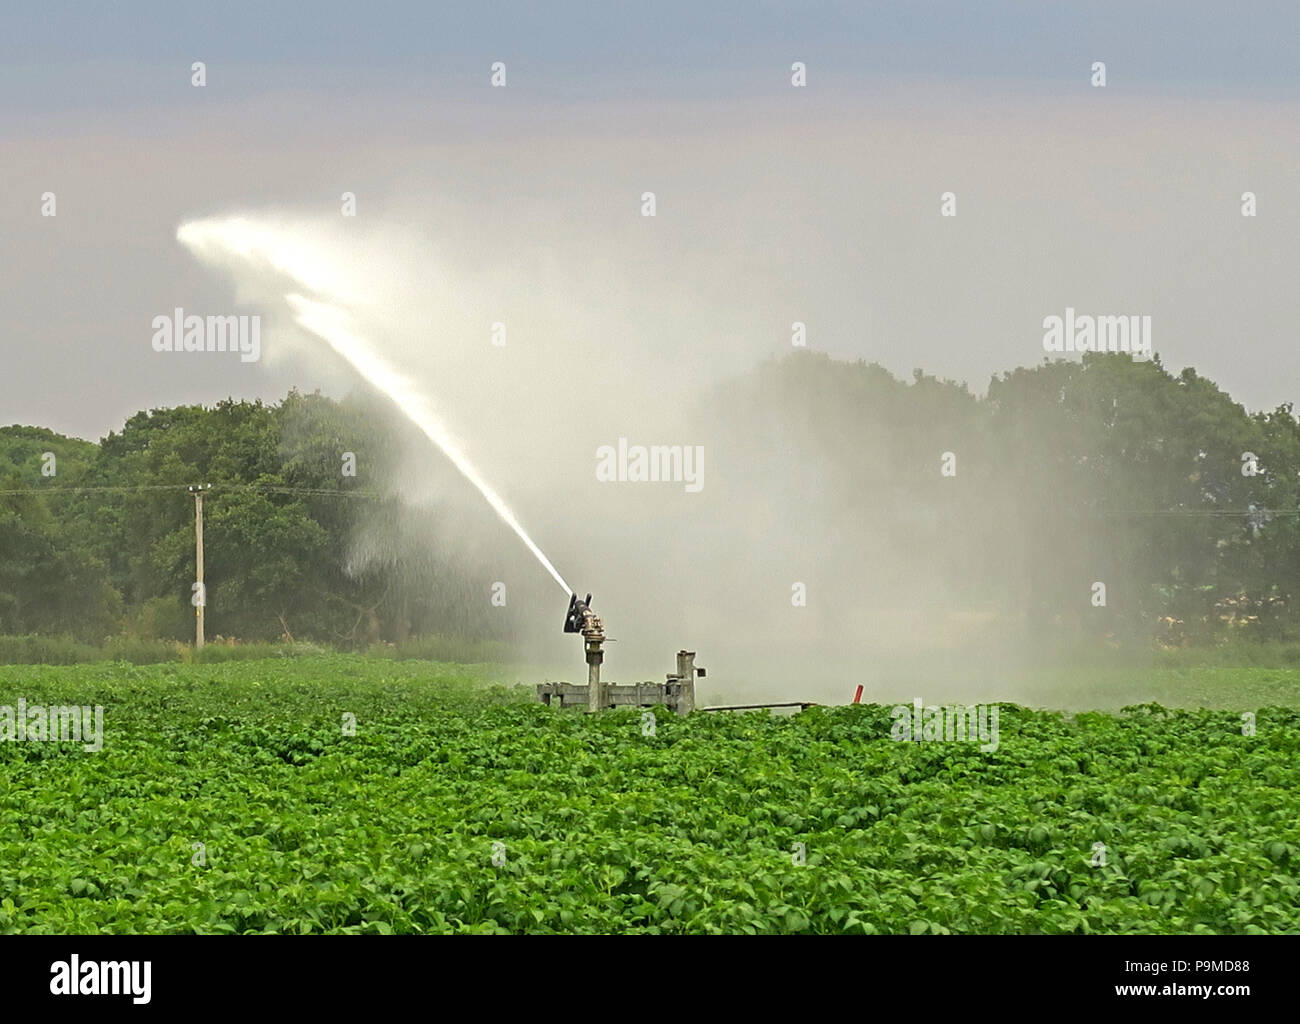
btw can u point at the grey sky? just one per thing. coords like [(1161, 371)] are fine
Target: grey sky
[(776, 204)]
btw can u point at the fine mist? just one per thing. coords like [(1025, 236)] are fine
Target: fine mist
[(790, 563)]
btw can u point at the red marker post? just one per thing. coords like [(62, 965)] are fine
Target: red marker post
[(857, 697)]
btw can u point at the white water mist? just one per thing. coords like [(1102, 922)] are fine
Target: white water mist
[(242, 240)]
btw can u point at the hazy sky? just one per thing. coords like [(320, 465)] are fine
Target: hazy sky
[(775, 204)]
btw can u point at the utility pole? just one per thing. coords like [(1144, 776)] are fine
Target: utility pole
[(200, 591)]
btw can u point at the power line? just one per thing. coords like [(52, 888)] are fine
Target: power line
[(1264, 513), (134, 488), (334, 492), (61, 489)]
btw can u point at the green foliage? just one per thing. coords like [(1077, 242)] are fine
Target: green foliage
[(1102, 468), (22, 450), (107, 546), (604, 829), (1071, 471), (43, 649)]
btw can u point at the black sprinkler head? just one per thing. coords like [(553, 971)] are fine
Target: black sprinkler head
[(575, 618)]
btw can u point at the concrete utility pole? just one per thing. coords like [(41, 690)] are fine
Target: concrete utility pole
[(201, 590)]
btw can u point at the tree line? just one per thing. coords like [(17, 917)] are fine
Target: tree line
[(104, 545), (1110, 470)]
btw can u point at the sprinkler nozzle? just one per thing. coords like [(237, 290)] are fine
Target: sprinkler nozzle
[(576, 616)]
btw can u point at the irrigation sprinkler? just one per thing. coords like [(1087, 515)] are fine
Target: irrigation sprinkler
[(576, 617), (581, 619), (677, 691)]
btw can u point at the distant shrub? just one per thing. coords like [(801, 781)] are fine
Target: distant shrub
[(34, 649), (445, 649), (161, 618), (219, 652), (140, 651)]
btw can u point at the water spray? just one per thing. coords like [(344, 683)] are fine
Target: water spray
[(248, 243), (245, 244)]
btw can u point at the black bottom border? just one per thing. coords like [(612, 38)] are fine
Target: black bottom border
[(1216, 974)]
